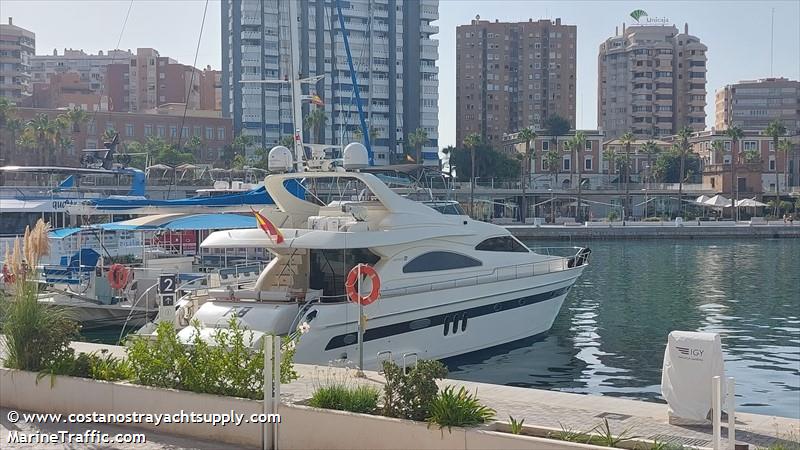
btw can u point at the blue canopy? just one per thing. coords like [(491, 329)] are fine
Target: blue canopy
[(192, 222), (61, 233)]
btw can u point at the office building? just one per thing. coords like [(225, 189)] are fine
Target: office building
[(651, 82), (511, 76), (392, 50), (752, 105)]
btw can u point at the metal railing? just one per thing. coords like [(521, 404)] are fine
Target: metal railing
[(502, 273)]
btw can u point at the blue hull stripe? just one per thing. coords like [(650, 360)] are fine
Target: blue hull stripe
[(461, 316)]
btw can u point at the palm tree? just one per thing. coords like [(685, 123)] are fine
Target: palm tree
[(472, 141), (610, 155), (717, 147), (527, 135), (286, 141), (786, 147), (776, 130), (683, 151), (13, 125), (627, 139), (76, 117), (417, 139), (551, 158), (195, 146), (579, 142), (650, 148), (736, 134), (38, 130), (6, 110), (315, 121)]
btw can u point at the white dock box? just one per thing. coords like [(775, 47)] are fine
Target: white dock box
[(691, 360)]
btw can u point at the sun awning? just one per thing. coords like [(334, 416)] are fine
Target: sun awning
[(718, 201)]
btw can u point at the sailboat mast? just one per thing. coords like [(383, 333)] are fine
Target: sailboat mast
[(297, 102)]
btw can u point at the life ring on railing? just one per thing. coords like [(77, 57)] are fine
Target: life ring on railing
[(8, 277), (117, 276), (351, 285)]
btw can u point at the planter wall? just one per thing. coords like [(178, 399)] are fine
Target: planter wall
[(301, 427)]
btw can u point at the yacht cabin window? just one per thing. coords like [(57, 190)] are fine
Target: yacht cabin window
[(501, 244), (433, 261)]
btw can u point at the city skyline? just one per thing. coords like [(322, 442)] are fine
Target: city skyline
[(95, 26)]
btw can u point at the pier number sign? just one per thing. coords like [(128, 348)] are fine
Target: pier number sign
[(167, 285)]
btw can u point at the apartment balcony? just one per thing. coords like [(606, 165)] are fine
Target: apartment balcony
[(429, 13), (431, 29), (380, 27), (251, 20), (380, 108), (251, 35)]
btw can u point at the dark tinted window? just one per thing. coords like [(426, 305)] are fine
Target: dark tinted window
[(501, 244), (433, 261)]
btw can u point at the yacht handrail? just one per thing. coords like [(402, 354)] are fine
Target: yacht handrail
[(562, 263)]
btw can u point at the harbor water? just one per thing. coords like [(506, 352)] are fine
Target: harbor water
[(612, 331), (610, 336)]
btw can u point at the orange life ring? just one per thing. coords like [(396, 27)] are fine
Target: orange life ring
[(8, 277), (351, 285), (117, 276)]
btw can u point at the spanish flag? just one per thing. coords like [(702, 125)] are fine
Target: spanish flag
[(272, 231), (317, 100)]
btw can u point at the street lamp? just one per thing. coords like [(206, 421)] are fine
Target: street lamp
[(646, 215), (552, 206)]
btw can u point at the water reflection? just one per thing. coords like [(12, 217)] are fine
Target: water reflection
[(610, 336)]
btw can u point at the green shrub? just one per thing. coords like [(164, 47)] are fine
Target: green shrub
[(516, 425), (458, 409), (408, 395), (227, 367), (91, 365), (606, 438), (612, 216), (37, 336), (359, 399)]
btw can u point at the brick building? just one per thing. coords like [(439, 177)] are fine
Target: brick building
[(513, 75), (214, 132), (66, 90)]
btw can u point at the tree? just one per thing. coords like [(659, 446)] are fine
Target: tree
[(6, 110), (717, 147), (314, 121), (776, 130), (239, 161), (528, 136), (578, 143), (736, 134), (610, 155), (287, 141), (627, 139), (556, 126), (195, 147), (552, 158), (417, 139), (683, 150), (785, 147), (77, 117), (109, 135), (471, 142), (666, 168), (650, 149)]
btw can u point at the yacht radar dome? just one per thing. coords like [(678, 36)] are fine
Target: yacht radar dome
[(280, 159), (355, 156)]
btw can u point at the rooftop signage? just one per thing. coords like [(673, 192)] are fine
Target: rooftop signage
[(641, 17)]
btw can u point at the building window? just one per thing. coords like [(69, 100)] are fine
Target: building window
[(162, 131), (185, 132), (148, 130), (209, 133), (750, 145), (588, 145), (220, 134), (772, 164), (173, 131), (129, 129), (567, 166), (771, 146), (545, 145), (91, 128), (198, 131), (727, 146), (587, 164), (435, 261)]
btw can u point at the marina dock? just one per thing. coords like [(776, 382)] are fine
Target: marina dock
[(541, 408), (656, 230)]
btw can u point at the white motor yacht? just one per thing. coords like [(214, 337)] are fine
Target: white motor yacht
[(449, 285)]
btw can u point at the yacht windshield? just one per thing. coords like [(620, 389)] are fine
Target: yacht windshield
[(329, 269)]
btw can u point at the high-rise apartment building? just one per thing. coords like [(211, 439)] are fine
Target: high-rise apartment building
[(752, 105), (392, 51), (17, 45), (90, 68), (511, 76), (651, 81)]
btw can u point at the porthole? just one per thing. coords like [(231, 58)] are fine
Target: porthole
[(419, 323), (350, 339)]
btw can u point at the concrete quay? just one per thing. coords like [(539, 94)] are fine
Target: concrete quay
[(656, 230), (540, 408)]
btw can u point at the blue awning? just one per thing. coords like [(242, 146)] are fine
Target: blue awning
[(61, 233), (180, 223)]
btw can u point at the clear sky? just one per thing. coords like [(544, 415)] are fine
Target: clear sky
[(737, 34)]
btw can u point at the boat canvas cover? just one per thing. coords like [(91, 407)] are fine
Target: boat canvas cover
[(255, 197), (691, 360)]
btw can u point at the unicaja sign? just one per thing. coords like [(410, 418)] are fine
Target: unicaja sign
[(638, 14)]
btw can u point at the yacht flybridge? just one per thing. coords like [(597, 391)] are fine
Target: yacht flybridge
[(449, 285)]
